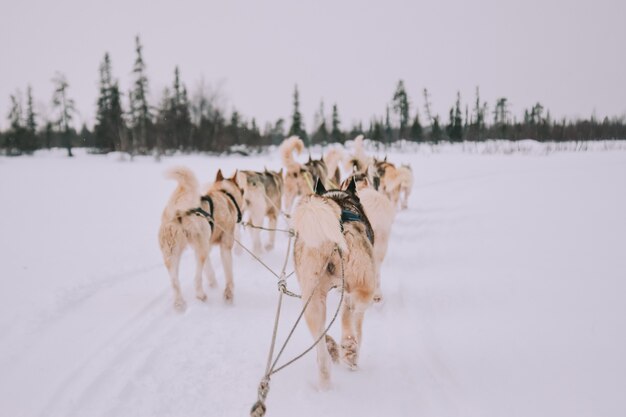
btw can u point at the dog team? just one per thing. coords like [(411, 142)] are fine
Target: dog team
[(342, 231)]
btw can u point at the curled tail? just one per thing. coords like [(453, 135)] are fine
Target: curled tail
[(332, 158), (317, 222), (186, 195), (185, 177), (286, 150), (359, 152)]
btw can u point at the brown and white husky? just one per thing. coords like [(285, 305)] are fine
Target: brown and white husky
[(262, 192), (181, 228), (300, 178), (396, 182), (223, 201), (334, 235)]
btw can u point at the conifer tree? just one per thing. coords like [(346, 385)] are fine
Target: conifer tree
[(388, 129), (141, 118), (456, 121), (30, 138), (416, 133), (401, 107), (321, 134), (297, 126), (110, 128), (336, 135), (16, 135), (65, 108)]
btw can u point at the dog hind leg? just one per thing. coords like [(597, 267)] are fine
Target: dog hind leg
[(201, 252), (209, 272), (172, 263), (315, 316), (227, 261)]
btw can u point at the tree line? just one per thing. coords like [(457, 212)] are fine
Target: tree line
[(127, 122)]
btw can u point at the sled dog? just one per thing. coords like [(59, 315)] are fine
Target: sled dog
[(334, 237), (262, 193), (181, 228)]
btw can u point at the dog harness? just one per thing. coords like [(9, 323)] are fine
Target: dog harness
[(232, 198), (351, 216)]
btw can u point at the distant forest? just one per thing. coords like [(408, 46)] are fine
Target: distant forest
[(126, 122)]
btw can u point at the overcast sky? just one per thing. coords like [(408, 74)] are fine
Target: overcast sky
[(569, 55)]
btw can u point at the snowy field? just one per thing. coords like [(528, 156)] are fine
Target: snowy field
[(504, 289)]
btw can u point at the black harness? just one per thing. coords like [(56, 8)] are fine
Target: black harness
[(232, 198), (351, 216), (209, 215)]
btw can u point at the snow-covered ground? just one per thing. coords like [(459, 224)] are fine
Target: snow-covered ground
[(504, 294)]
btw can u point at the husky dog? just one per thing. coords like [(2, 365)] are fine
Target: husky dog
[(262, 192), (334, 237), (364, 179), (395, 182), (181, 228), (405, 176), (299, 178), (317, 169), (223, 201)]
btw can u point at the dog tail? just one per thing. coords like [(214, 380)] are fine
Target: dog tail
[(185, 177), (317, 222), (332, 158), (359, 152), (187, 194), (287, 147)]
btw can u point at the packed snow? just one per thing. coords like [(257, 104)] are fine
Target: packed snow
[(504, 294)]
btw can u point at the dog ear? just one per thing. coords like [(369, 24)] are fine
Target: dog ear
[(319, 187), (219, 176), (280, 172), (351, 186), (310, 160), (234, 177), (385, 160)]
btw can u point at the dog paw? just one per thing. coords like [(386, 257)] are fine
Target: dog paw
[(212, 283), (333, 349), (350, 352), (201, 296), (378, 297), (180, 305), (228, 295), (269, 247)]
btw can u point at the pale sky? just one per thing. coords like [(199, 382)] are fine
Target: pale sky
[(568, 55)]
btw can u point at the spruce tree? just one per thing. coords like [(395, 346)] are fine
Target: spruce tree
[(141, 118), (436, 133), (110, 128), (456, 130), (297, 126), (65, 108), (30, 139), (16, 135), (401, 107), (335, 134), (388, 129), (416, 133), (321, 134)]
